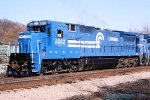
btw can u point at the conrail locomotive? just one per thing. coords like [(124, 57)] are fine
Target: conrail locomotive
[(50, 46)]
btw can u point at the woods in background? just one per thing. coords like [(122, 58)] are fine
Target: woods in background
[(144, 30), (9, 31)]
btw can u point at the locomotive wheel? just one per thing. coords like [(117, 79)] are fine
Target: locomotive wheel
[(17, 74), (136, 62), (87, 67), (8, 71), (54, 70), (44, 70), (80, 67), (70, 69), (119, 65), (29, 72)]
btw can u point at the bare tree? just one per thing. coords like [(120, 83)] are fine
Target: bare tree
[(145, 30), (9, 30)]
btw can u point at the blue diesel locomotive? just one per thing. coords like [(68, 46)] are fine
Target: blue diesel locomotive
[(56, 46)]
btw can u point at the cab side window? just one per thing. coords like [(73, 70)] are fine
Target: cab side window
[(42, 29), (49, 32), (35, 29), (59, 33), (71, 27)]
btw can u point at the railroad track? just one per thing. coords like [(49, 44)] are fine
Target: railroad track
[(10, 83)]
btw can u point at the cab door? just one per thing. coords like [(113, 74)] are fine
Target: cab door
[(60, 41)]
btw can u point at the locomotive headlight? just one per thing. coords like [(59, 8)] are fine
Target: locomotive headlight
[(36, 23), (43, 23), (30, 24)]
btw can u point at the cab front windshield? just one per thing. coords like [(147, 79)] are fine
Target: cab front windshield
[(36, 29), (37, 26)]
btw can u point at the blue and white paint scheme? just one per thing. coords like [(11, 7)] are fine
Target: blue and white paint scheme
[(52, 41), (64, 40)]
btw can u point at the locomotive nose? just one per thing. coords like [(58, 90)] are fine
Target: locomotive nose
[(24, 42)]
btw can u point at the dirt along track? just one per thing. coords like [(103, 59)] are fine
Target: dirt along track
[(10, 83)]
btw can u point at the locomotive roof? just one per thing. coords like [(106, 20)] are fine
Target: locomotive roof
[(122, 32)]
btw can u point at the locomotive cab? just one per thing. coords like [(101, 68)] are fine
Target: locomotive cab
[(31, 44), (44, 42), (144, 49)]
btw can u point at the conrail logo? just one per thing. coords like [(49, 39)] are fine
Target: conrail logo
[(25, 36), (99, 38)]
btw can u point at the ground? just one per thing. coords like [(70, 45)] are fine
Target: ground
[(139, 90), (90, 85)]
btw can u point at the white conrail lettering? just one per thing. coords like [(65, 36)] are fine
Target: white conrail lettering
[(25, 36), (113, 39)]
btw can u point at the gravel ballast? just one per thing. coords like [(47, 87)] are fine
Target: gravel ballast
[(62, 91)]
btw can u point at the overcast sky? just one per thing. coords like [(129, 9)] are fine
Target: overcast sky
[(111, 14)]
